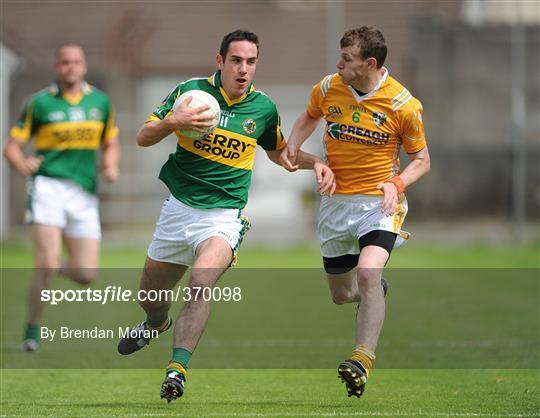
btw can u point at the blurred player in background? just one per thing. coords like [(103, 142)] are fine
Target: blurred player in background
[(369, 116), (201, 222), (71, 122)]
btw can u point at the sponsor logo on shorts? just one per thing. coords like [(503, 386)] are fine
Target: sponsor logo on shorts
[(226, 236)]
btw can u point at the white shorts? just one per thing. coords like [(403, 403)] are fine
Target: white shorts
[(65, 204), (181, 228), (343, 219)]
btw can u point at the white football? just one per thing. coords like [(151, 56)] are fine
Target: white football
[(200, 98)]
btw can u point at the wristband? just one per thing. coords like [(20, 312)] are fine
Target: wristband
[(398, 182)]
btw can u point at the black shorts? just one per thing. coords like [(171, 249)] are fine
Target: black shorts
[(345, 263)]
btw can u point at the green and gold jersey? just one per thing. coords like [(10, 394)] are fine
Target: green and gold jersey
[(215, 171), (68, 132)]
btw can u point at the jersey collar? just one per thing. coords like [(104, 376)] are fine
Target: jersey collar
[(215, 81), (372, 92), (55, 90)]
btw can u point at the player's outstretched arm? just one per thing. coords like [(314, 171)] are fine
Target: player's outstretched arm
[(13, 152), (110, 158), (304, 160), (325, 177), (184, 117), (303, 127)]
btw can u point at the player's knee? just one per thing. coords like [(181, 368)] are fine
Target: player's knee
[(87, 276), (369, 277), (83, 276), (201, 278), (48, 264)]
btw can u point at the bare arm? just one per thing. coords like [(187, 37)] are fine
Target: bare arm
[(183, 117), (303, 127), (325, 176), (419, 166), (154, 131), (304, 160), (110, 158), (13, 152)]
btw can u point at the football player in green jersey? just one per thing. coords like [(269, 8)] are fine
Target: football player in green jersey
[(201, 223), (71, 122)]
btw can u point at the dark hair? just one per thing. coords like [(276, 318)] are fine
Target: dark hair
[(369, 39), (237, 35)]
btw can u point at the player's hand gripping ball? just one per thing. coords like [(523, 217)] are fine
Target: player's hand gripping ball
[(200, 98)]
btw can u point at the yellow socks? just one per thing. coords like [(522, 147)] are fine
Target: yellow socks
[(365, 356)]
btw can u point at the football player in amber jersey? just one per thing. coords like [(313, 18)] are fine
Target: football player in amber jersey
[(369, 116)]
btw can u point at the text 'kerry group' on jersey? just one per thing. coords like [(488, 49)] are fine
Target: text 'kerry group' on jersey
[(220, 145)]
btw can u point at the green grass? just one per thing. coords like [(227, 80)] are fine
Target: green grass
[(456, 342), (410, 256), (271, 393)]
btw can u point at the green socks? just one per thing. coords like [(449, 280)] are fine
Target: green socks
[(32, 332), (182, 356)]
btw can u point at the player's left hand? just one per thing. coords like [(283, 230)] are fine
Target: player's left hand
[(325, 179), (110, 174), (390, 199)]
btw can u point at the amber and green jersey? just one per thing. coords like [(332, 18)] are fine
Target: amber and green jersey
[(68, 132), (215, 171)]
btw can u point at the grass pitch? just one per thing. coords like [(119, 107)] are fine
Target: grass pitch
[(271, 393), (409, 256), (315, 392)]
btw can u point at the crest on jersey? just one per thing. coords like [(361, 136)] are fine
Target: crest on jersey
[(379, 118), (95, 114), (249, 126)]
